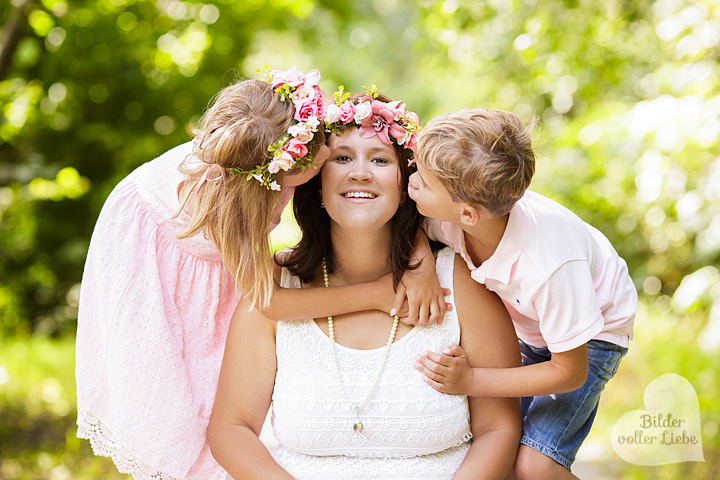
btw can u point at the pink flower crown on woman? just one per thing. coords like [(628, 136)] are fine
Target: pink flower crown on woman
[(294, 148), (388, 120)]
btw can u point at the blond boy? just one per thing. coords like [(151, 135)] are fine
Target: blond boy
[(567, 290)]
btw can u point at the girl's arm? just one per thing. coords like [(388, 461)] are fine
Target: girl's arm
[(488, 337), (301, 303), (247, 378)]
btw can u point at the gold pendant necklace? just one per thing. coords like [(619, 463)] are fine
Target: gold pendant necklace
[(357, 427)]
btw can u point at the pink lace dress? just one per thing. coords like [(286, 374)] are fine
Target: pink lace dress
[(153, 318)]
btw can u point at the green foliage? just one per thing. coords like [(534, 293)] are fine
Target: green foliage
[(626, 94), (37, 415)]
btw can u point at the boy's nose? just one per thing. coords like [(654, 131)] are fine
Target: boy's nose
[(412, 182)]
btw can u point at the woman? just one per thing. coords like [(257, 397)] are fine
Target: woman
[(359, 409)]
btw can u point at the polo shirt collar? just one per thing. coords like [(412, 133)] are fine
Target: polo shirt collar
[(500, 264)]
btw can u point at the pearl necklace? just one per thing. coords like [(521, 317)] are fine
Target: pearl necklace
[(357, 427)]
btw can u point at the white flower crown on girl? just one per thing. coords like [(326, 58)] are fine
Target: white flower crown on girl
[(388, 120), (294, 148)]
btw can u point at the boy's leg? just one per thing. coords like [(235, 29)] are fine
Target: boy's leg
[(554, 426)]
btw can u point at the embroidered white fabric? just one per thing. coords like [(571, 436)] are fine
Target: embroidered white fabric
[(411, 430)]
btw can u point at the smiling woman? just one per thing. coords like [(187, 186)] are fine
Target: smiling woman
[(361, 185), (347, 402)]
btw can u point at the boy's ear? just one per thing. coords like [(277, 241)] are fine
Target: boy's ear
[(469, 215)]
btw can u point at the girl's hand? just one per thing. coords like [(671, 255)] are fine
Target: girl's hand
[(448, 372), (425, 297)]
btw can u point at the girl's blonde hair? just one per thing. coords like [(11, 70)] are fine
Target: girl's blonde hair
[(235, 132)]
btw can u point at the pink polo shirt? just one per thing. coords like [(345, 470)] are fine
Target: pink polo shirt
[(560, 278)]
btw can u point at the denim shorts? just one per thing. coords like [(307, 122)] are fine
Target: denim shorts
[(556, 425)]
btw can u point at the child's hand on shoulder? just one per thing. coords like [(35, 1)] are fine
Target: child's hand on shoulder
[(425, 298), (446, 372)]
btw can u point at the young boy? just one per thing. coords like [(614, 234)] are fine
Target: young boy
[(567, 290)]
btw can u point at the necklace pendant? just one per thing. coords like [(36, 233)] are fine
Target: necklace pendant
[(358, 427)]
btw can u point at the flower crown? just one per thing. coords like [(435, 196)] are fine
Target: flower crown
[(388, 120), (294, 148)]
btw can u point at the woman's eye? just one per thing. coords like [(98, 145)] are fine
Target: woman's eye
[(380, 161), (343, 159)]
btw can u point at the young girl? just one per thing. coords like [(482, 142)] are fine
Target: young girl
[(176, 243)]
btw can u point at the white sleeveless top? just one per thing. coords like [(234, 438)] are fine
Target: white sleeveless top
[(411, 431)]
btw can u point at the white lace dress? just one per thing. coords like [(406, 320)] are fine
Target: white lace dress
[(411, 431)]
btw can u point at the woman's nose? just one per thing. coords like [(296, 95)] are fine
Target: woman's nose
[(360, 171)]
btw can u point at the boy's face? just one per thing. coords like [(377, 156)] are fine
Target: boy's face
[(432, 198)]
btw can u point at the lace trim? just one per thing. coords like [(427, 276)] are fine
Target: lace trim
[(91, 428)]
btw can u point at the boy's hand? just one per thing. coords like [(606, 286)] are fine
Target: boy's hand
[(448, 372), (419, 308)]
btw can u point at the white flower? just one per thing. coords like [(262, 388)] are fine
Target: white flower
[(303, 94), (284, 161), (313, 123), (273, 167), (362, 111), (258, 178), (312, 78), (292, 77), (332, 113), (274, 186), (406, 138), (301, 131)]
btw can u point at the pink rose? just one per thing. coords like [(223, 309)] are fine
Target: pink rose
[(295, 148), (306, 111), (319, 99), (347, 112)]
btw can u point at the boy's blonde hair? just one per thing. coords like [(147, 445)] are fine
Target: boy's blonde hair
[(236, 214), (481, 156)]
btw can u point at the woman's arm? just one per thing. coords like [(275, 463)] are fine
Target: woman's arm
[(245, 387), (489, 340)]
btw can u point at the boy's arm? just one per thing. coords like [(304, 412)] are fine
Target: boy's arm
[(450, 373), (565, 297), (421, 287)]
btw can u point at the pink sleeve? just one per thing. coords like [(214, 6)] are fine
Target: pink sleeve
[(568, 308)]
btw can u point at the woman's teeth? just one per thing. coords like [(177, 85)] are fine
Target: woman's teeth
[(359, 195)]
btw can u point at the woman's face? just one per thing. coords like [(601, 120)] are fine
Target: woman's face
[(361, 181)]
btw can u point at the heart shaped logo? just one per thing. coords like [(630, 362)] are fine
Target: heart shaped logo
[(668, 431)]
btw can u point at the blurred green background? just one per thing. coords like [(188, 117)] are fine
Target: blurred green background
[(627, 93)]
